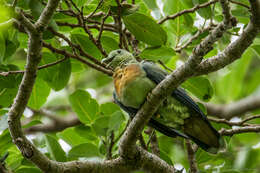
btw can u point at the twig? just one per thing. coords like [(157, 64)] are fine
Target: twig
[(191, 10), (142, 142), (39, 68), (110, 147), (72, 25), (153, 141), (121, 134), (14, 3), (240, 123), (76, 46), (119, 23), (102, 26), (68, 54), (247, 129), (239, 3), (82, 22), (75, 6), (191, 157), (93, 12), (224, 121), (191, 39)]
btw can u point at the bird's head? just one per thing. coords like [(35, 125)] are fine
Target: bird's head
[(119, 57)]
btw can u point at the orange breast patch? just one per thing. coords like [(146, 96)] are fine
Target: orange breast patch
[(123, 76)]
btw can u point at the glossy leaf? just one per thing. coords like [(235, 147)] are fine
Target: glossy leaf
[(86, 44), (39, 94), (84, 150), (158, 53), (145, 29), (200, 87), (71, 136), (32, 123), (101, 125), (28, 170), (85, 107), (56, 76), (203, 12), (55, 149)]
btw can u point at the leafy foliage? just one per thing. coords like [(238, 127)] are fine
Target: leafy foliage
[(71, 89)]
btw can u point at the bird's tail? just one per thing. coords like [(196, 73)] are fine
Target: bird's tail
[(203, 134)]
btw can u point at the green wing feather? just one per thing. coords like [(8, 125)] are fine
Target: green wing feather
[(195, 125)]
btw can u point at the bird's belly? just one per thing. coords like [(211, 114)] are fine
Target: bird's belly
[(135, 92)]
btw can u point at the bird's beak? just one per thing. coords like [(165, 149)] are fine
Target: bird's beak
[(105, 61)]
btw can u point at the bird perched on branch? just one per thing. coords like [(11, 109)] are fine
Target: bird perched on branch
[(178, 115)]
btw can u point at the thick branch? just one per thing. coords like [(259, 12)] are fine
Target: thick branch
[(234, 50), (238, 108), (33, 59), (56, 125)]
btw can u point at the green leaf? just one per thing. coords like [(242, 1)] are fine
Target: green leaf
[(84, 150), (2, 47), (85, 132), (28, 170), (86, 44), (126, 9), (151, 4), (109, 108), (203, 12), (55, 149), (256, 49), (10, 49), (101, 125), (39, 94), (70, 136), (229, 87), (3, 122), (7, 96), (36, 7), (56, 76), (32, 123), (162, 53), (116, 119), (14, 158), (165, 157), (109, 43), (5, 141), (200, 87), (145, 29), (85, 107)]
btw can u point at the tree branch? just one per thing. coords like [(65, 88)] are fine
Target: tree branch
[(230, 132), (68, 54), (239, 108), (39, 67), (234, 50), (57, 124), (191, 10), (191, 157), (28, 150)]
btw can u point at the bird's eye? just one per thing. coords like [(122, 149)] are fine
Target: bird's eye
[(118, 51)]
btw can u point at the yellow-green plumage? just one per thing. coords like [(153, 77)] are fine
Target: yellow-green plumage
[(134, 80)]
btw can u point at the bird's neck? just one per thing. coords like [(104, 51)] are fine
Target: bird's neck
[(127, 62)]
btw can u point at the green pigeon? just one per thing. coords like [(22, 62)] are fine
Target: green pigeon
[(178, 115)]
